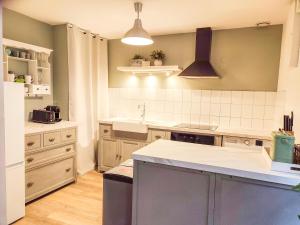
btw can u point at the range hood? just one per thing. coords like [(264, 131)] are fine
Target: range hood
[(201, 67)]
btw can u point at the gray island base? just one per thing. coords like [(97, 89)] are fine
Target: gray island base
[(173, 195)]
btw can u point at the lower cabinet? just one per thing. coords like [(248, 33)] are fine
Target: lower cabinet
[(127, 148), (110, 153), (240, 201), (171, 195), (117, 147), (49, 177)]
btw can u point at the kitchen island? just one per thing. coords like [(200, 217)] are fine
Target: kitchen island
[(178, 183)]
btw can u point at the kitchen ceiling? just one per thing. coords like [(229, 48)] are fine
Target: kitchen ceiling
[(112, 18)]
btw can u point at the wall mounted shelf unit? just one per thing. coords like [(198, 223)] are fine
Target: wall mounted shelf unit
[(167, 70), (37, 65)]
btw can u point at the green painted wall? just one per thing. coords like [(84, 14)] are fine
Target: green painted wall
[(247, 59), (25, 29), (60, 78)]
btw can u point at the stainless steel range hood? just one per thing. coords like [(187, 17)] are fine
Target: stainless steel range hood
[(201, 67)]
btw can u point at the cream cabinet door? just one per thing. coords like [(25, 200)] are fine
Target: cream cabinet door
[(109, 152), (127, 148)]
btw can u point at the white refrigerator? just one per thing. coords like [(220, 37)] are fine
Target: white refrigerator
[(14, 150)]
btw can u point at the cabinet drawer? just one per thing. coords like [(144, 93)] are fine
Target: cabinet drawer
[(47, 178), (51, 138), (68, 135), (157, 134), (33, 142), (105, 130), (48, 155)]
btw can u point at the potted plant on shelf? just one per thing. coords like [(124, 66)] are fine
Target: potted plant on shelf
[(157, 56), (137, 60)]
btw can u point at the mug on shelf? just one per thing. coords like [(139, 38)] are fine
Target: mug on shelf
[(23, 55), (11, 77), (28, 79)]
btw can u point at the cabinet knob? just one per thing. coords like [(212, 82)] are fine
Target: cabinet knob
[(30, 184), (247, 142), (68, 169), (105, 131), (29, 160), (29, 144), (117, 156), (68, 135), (68, 149), (51, 139)]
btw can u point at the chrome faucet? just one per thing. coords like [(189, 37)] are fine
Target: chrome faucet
[(142, 107)]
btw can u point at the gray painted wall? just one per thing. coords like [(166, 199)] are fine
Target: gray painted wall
[(61, 71), (25, 29), (246, 58)]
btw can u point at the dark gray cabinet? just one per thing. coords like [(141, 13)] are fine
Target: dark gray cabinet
[(240, 201), (165, 195)]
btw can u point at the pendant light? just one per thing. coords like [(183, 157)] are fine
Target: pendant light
[(137, 35)]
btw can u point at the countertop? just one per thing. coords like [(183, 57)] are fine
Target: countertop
[(171, 126), (32, 128), (252, 164)]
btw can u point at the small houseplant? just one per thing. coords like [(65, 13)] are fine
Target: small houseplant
[(137, 60), (158, 56)]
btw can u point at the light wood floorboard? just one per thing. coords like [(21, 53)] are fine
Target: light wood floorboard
[(75, 204)]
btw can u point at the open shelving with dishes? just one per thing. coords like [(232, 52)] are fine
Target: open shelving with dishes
[(167, 70), (28, 64)]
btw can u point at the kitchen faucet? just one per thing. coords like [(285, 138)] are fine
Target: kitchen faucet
[(143, 111)]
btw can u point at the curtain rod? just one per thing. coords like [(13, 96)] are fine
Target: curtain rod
[(85, 31)]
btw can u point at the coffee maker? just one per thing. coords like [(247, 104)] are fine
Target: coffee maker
[(56, 110)]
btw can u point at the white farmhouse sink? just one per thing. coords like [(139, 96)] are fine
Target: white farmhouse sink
[(135, 126)]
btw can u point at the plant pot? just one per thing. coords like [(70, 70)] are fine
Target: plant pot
[(157, 62), (137, 62)]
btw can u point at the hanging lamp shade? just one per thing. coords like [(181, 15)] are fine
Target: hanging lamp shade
[(137, 35)]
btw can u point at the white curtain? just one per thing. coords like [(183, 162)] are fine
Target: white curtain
[(88, 91)]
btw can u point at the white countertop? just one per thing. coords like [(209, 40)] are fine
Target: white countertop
[(31, 127), (245, 163), (171, 126)]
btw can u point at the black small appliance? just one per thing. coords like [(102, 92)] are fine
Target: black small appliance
[(56, 110), (43, 116)]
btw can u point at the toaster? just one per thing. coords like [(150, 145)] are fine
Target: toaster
[(43, 116)]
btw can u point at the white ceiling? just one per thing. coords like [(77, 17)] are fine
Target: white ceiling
[(112, 18)]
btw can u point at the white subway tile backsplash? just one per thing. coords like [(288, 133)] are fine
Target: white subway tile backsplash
[(258, 112), (196, 96), (226, 97), (186, 95), (236, 97), (259, 98), (247, 97), (215, 96), (205, 108), (215, 109), (225, 110), (257, 124), (228, 109), (247, 111), (235, 122), (205, 96), (225, 122), (236, 110)]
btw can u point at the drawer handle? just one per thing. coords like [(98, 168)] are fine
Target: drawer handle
[(117, 156), (120, 157), (51, 139), (68, 135), (29, 144), (29, 160), (105, 131), (30, 184), (68, 170), (157, 137), (68, 149)]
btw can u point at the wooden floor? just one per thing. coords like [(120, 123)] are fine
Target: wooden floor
[(76, 204)]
